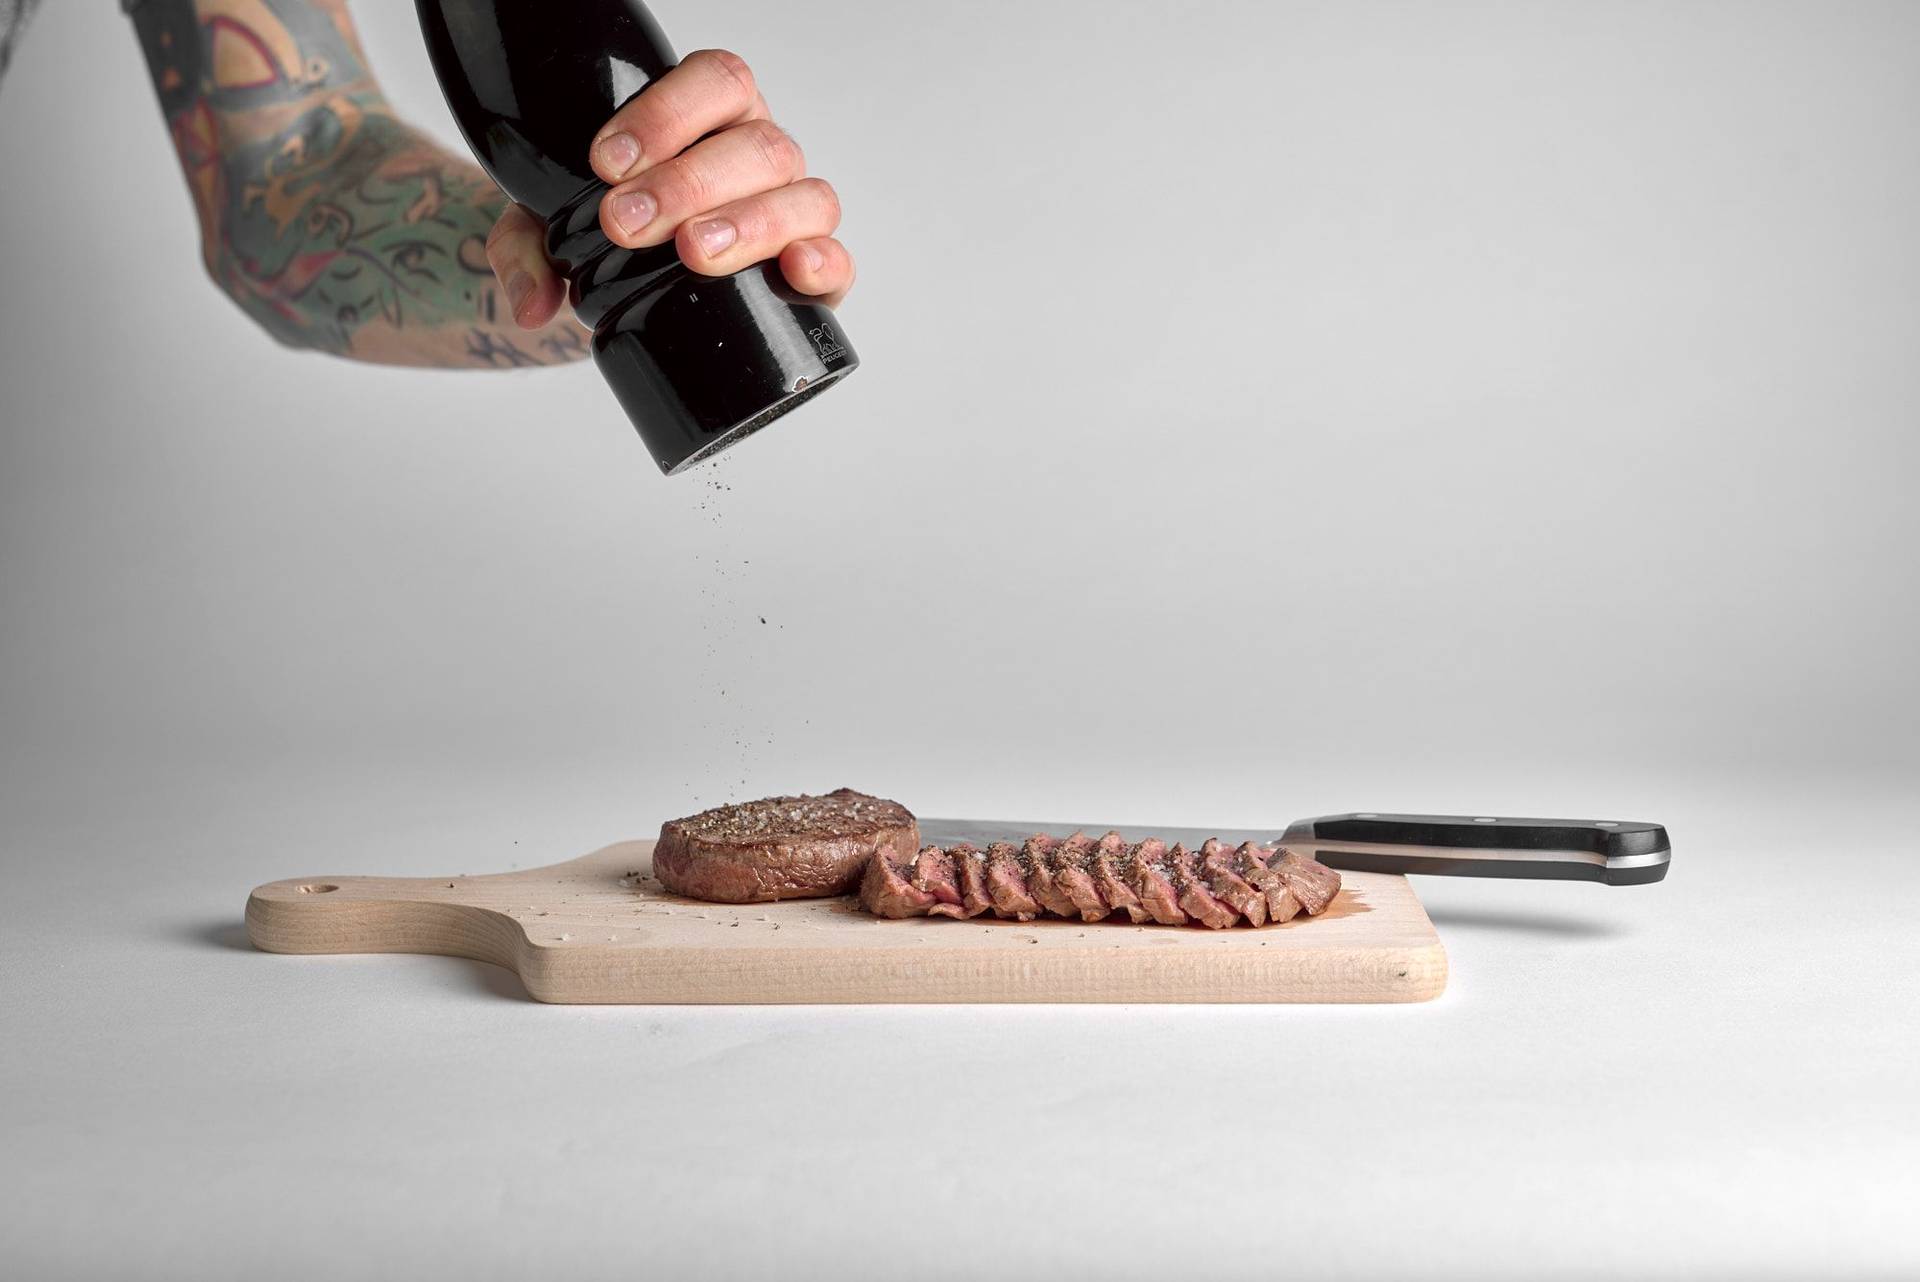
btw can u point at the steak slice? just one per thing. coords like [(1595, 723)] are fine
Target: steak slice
[(1216, 861), (934, 873), (1038, 859), (1104, 865), (885, 890), (1072, 878), (780, 848), (1147, 878), (1216, 886), (1312, 883), (1252, 863), (970, 866), (1195, 899), (1007, 883)]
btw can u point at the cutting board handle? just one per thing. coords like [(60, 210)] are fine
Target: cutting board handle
[(378, 915)]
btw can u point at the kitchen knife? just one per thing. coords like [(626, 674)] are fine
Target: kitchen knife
[(1616, 852)]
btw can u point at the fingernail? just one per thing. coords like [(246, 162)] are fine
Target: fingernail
[(813, 258), (714, 236), (618, 154), (519, 290), (633, 210)]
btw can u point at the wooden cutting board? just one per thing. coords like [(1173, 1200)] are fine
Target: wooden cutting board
[(600, 929)]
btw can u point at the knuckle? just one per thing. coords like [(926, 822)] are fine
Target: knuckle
[(729, 68), (829, 199), (775, 146), (660, 123), (681, 184)]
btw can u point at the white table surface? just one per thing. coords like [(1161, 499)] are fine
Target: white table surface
[(1712, 1077)]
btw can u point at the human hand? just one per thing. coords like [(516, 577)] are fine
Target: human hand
[(726, 201)]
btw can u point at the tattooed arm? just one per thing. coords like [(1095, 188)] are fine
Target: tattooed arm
[(325, 217)]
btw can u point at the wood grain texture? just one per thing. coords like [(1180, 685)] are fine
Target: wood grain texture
[(599, 929)]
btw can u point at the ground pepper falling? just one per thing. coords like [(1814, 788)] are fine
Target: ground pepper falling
[(724, 764)]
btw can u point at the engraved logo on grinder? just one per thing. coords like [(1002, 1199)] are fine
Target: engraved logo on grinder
[(826, 344)]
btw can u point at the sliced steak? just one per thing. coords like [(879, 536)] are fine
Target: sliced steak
[(1007, 883), (1105, 866), (1312, 883), (780, 848), (1195, 899), (1251, 860), (1038, 858), (885, 890), (934, 873), (1216, 860), (970, 867), (1073, 879), (1147, 878), (1216, 886)]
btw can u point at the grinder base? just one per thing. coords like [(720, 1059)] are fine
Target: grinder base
[(700, 363)]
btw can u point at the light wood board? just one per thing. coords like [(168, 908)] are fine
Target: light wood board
[(600, 929)]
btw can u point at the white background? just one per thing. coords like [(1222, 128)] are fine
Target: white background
[(1266, 410)]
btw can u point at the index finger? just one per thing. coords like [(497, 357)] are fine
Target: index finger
[(709, 90), (517, 252)]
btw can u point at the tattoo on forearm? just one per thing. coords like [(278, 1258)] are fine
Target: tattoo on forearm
[(496, 351), (326, 218)]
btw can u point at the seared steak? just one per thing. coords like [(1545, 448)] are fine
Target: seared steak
[(1075, 881), (970, 866), (933, 872), (885, 890), (1147, 875), (1196, 898), (780, 848), (1037, 857), (1312, 882), (1006, 884), (1228, 886), (1216, 886), (1252, 862), (1110, 881)]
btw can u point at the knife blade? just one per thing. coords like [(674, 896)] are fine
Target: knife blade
[(1611, 851)]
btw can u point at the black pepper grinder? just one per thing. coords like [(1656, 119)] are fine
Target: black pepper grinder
[(698, 362)]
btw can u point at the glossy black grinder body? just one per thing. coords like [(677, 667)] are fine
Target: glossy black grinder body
[(698, 362)]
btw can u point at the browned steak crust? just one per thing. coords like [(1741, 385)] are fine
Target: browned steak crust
[(780, 848)]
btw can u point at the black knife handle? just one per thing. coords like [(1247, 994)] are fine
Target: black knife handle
[(1615, 852)]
